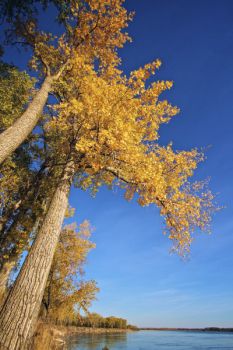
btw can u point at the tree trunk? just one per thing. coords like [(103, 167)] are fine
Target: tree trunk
[(4, 278), (12, 137), (8, 265), (19, 313)]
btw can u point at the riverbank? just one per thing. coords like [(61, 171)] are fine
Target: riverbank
[(54, 337), (78, 330)]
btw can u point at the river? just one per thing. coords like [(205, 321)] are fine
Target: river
[(154, 340)]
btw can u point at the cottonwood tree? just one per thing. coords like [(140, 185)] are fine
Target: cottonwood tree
[(23, 223), (15, 90), (106, 131), (26, 181), (92, 28)]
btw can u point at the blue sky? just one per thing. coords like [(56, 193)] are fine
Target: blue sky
[(139, 279)]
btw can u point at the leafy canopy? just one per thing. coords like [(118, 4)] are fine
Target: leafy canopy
[(91, 28), (111, 123)]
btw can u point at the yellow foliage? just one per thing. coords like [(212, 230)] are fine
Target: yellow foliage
[(92, 28), (65, 293), (114, 122)]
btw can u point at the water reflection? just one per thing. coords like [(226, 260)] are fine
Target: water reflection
[(153, 340), (98, 341)]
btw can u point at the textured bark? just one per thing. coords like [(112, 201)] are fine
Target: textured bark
[(12, 137), (19, 313), (7, 266), (4, 278)]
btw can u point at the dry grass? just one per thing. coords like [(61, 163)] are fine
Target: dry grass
[(48, 337)]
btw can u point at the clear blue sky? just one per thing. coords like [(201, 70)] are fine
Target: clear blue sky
[(138, 277)]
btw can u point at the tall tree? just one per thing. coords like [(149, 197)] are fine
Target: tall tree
[(38, 262), (24, 186), (15, 89), (91, 28), (23, 223), (108, 134)]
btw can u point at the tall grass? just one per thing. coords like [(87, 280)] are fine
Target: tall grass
[(48, 337)]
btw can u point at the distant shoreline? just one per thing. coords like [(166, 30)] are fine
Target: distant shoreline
[(72, 330), (206, 329)]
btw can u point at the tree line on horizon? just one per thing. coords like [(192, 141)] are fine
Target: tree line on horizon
[(100, 127), (92, 320)]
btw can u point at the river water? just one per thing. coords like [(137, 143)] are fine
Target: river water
[(154, 340)]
